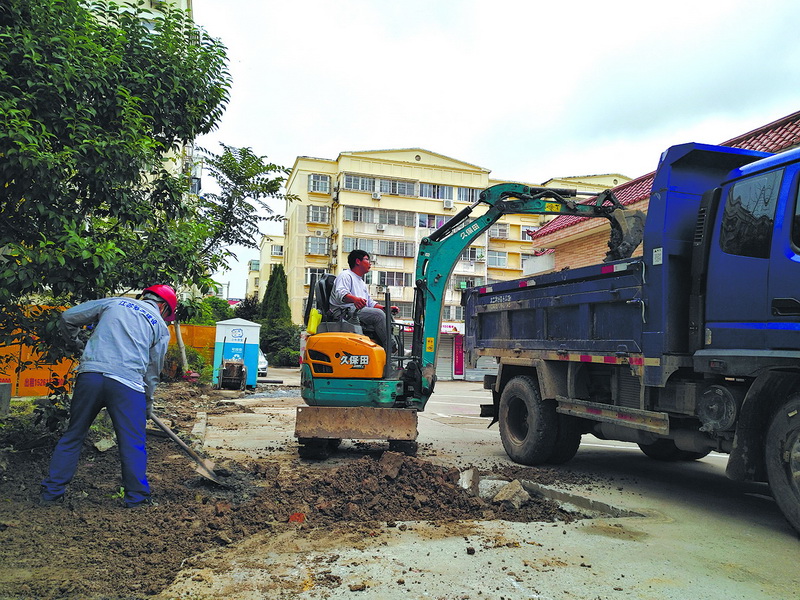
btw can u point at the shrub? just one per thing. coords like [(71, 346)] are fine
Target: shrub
[(173, 371), (285, 357)]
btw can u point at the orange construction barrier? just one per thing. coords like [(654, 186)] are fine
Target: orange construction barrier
[(32, 381)]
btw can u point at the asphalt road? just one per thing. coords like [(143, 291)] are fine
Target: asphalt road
[(697, 535)]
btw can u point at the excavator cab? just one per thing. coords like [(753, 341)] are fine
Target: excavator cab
[(340, 347)]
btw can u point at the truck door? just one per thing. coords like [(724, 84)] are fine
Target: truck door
[(784, 276), (738, 299)]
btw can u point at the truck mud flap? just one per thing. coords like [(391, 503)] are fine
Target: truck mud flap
[(355, 422)]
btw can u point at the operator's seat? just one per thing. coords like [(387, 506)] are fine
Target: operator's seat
[(322, 293)]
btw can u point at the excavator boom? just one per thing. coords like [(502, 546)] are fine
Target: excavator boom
[(439, 253)]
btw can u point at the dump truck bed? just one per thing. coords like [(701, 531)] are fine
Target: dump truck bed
[(596, 309)]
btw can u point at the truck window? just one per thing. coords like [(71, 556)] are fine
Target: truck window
[(750, 214), (796, 219)]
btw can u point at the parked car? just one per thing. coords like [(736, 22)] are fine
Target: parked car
[(263, 364)]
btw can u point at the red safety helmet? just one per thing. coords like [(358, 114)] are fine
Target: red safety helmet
[(167, 294)]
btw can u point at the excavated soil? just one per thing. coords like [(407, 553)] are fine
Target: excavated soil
[(92, 547)]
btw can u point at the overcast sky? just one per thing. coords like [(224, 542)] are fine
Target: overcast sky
[(529, 89)]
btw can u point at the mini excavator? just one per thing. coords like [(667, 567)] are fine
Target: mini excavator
[(355, 388)]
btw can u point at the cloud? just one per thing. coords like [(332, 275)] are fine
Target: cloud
[(529, 89)]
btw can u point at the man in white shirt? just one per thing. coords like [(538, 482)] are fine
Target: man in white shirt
[(350, 292)]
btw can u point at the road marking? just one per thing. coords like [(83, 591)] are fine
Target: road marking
[(451, 403)]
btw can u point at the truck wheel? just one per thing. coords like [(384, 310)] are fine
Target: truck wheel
[(663, 450), (782, 453), (688, 455), (666, 450), (567, 441), (528, 424)]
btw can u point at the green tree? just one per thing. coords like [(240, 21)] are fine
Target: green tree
[(280, 338), (245, 180), (210, 310), (92, 100), (275, 306), (249, 309)]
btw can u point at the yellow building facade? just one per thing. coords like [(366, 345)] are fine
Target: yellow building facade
[(385, 202), (258, 271)]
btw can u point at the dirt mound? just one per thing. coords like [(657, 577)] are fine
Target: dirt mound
[(91, 547)]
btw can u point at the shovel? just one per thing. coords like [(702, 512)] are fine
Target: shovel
[(204, 466)]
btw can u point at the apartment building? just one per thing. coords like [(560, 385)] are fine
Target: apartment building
[(258, 271), (385, 202)]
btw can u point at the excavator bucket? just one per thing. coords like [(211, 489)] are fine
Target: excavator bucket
[(627, 229)]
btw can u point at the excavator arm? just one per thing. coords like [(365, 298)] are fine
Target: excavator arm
[(439, 253)]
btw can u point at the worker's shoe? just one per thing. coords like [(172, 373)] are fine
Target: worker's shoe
[(57, 501), (144, 503)]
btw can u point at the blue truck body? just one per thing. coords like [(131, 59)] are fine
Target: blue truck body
[(692, 347)]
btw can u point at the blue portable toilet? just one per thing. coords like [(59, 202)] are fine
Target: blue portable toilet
[(237, 340)]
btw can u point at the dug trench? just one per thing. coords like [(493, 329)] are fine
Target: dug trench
[(92, 547)]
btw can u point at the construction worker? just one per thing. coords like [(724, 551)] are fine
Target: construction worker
[(350, 293), (119, 369)]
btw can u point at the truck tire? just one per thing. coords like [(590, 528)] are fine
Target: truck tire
[(528, 424), (782, 454), (567, 441), (665, 450)]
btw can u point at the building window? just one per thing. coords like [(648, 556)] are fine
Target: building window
[(396, 217), (453, 313), (256, 282), (499, 231), (318, 214), (319, 183), (472, 254), (390, 248), (749, 216), (317, 245), (253, 265), (497, 259), (462, 282), (318, 273), (437, 192), (432, 221), (400, 188), (406, 310), (379, 247), (359, 183), (359, 214), (277, 250), (468, 194), (395, 278), (527, 232)]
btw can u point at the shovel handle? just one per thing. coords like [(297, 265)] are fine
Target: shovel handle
[(197, 458)]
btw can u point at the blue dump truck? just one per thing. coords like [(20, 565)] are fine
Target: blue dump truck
[(693, 347)]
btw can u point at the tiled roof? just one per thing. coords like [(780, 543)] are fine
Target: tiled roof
[(773, 137)]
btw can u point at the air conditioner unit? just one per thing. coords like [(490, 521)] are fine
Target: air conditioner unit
[(448, 203), (376, 195), (380, 227), (334, 261), (334, 231), (335, 247)]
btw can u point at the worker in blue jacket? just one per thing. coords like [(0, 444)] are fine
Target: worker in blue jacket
[(119, 369)]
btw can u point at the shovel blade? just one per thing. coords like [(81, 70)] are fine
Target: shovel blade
[(203, 466)]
